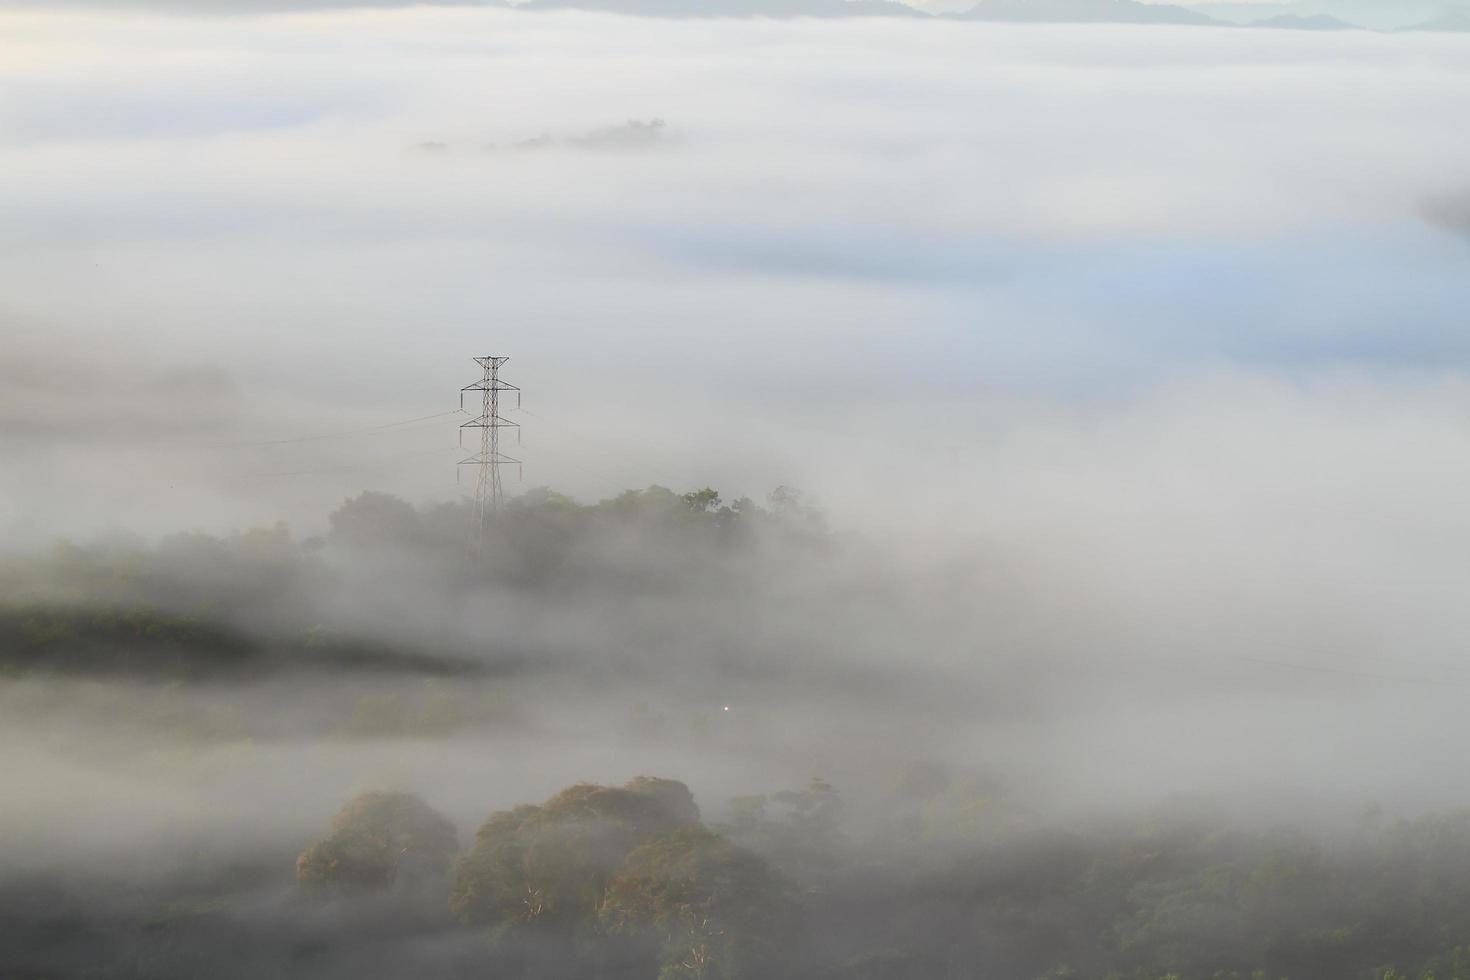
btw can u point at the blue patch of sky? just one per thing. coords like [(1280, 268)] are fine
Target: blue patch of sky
[(1382, 296)]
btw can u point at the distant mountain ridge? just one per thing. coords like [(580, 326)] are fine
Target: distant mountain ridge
[(1086, 12), (736, 8), (1299, 22)]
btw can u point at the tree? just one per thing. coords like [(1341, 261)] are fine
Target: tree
[(379, 841), (703, 501), (800, 832), (374, 520), (544, 867), (714, 910), (789, 507), (653, 503)]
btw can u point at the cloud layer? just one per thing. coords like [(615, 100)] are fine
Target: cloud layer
[(926, 227)]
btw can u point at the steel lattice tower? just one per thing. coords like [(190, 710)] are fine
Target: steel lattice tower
[(488, 493)]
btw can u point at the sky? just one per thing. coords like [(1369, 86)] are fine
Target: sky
[(881, 261)]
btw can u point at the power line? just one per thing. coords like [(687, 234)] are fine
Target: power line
[(332, 435), (639, 469), (382, 462)]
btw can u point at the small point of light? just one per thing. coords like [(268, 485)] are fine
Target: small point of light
[(727, 707)]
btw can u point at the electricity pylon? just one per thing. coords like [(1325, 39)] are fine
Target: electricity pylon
[(488, 493)]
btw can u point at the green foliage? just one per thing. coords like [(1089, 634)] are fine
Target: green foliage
[(798, 830), (626, 877), (1451, 964), (544, 867), (379, 841), (197, 604), (117, 639), (375, 521), (702, 501), (715, 910), (149, 642), (1181, 894)]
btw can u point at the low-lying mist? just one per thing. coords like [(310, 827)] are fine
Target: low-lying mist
[(184, 715), (1116, 632)]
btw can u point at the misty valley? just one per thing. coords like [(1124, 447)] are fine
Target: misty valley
[(988, 501), (652, 737)]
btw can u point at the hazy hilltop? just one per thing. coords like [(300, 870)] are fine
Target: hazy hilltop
[(736, 8), (1021, 11), (1375, 14), (1302, 22), (1086, 11)]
